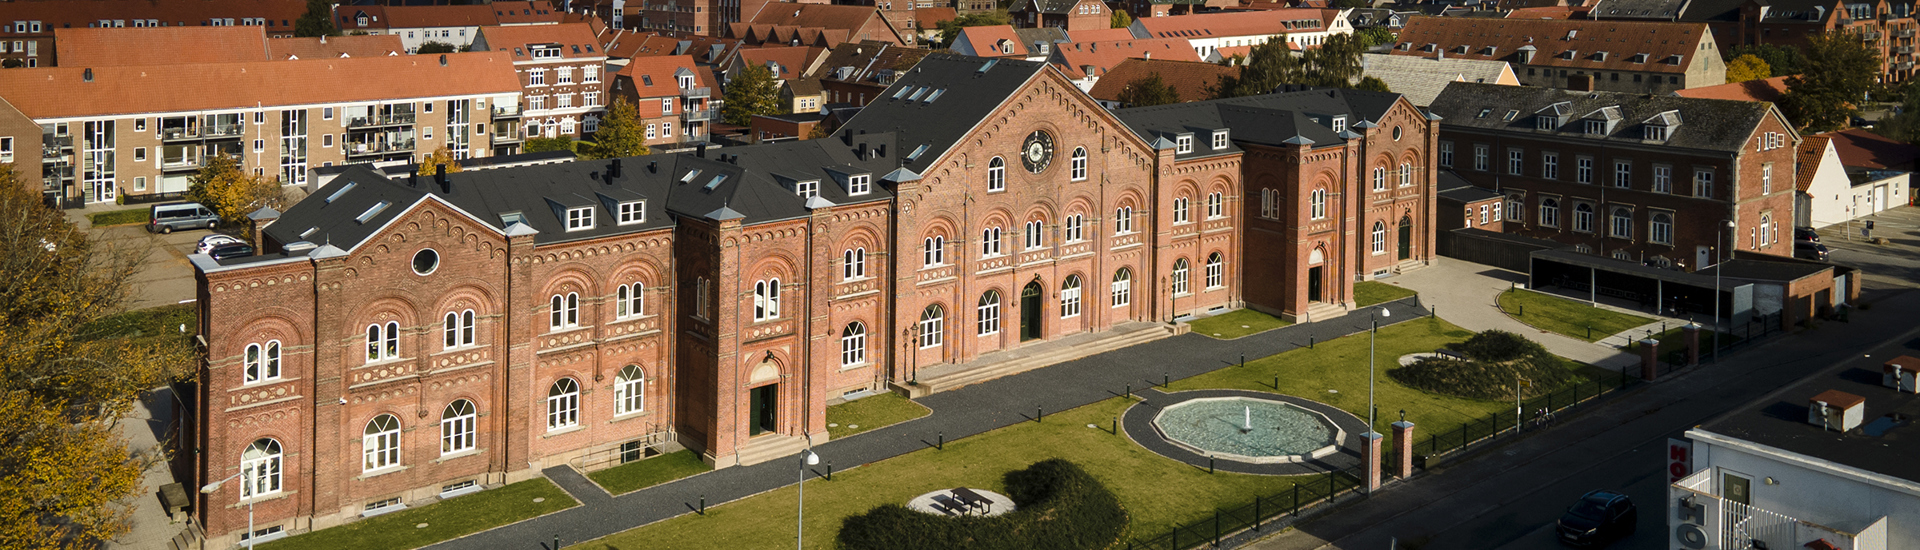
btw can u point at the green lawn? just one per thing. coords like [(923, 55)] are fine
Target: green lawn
[(871, 413), (444, 520), (642, 474), (119, 217), (1568, 317), (1236, 323), (145, 324), (1366, 293)]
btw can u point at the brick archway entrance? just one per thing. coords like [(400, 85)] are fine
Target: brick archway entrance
[(1030, 312)]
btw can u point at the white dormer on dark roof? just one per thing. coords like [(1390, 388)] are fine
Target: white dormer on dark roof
[(1660, 127), (1430, 47), (1339, 124), (1602, 121), (1183, 143), (1570, 54), (1490, 50)]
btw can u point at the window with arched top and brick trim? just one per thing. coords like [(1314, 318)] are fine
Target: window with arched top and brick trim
[(456, 427), (766, 299), (260, 469), (262, 362), (987, 315), (457, 329), (1070, 297), (853, 264), (932, 326), (629, 390), (1216, 271), (380, 443), (563, 404), (1317, 204), (934, 251), (1179, 276), (630, 300), (853, 344), (563, 311), (383, 341), (1122, 287)]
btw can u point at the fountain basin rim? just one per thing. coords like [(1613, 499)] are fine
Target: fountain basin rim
[(1316, 454)]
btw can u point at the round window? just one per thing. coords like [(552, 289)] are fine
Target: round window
[(425, 261), (1396, 133)]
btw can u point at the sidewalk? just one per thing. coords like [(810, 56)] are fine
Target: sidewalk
[(1465, 294), (959, 413)]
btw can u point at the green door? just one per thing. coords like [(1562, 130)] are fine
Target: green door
[(760, 411), (1030, 312), (1406, 237)]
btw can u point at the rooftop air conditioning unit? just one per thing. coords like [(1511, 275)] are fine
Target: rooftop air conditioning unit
[(1902, 374), (1836, 410)]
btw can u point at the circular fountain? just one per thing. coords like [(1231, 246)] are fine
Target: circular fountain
[(1249, 429)]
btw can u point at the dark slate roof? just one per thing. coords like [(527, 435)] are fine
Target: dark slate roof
[(1270, 119), (1712, 10), (1665, 10), (1706, 124), (1033, 38), (969, 89), (1455, 188), (1779, 419), (1046, 6), (1766, 270)]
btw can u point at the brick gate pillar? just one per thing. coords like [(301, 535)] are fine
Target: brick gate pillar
[(1649, 359), (1373, 461), (1693, 343), (1403, 449)]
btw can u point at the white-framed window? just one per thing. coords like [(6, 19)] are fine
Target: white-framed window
[(579, 219), (563, 311), (703, 298), (1180, 277), (987, 314), (1623, 174), (650, 131), (859, 185), (457, 329), (932, 322), (380, 444), (1216, 271), (1480, 156), (560, 101), (1379, 235), (1662, 178), (853, 344), (1660, 228), (1216, 205), (1183, 144), (1514, 209), (630, 300), (1622, 223), (6, 149), (1077, 169), (1446, 154), (1583, 169), (632, 212), (1122, 287), (1070, 297), (1516, 161), (990, 242), (1123, 220), (1074, 228), (536, 77), (807, 189), (1483, 214), (1550, 165), (263, 362), (996, 175), (1219, 139), (563, 404), (1703, 183), (933, 251), (629, 390), (1035, 234), (1766, 229), (383, 341), (590, 73), (564, 74), (1379, 178), (456, 427), (1269, 204), (260, 469), (1181, 210), (766, 299), (1550, 212), (1766, 179), (853, 264), (1583, 217), (1317, 204), (1406, 174), (666, 105)]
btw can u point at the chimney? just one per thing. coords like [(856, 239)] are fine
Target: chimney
[(1440, 54), (323, 39), (443, 60), (653, 167), (613, 170), (1580, 83), (413, 180), (701, 152), (1836, 410), (87, 75), (440, 177)]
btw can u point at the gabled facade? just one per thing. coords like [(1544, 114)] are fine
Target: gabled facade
[(457, 25), (562, 68), (1614, 56), (674, 98), (1210, 32), (1072, 15)]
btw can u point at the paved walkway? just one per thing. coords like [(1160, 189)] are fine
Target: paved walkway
[(1465, 294), (960, 413)]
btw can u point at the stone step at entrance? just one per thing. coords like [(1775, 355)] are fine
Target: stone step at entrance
[(768, 447), (1322, 311), (944, 377)]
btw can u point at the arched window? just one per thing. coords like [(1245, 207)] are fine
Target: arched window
[(1216, 205), (853, 264), (1078, 167), (1036, 234), (1379, 178), (1406, 174), (996, 175), (1583, 217), (1123, 220), (1269, 204), (932, 321), (1181, 207), (934, 251), (1550, 212), (1070, 297), (853, 344), (563, 404), (629, 390), (457, 329), (630, 300), (990, 242), (1379, 237), (383, 341), (456, 427), (1622, 225), (380, 443), (260, 469), (1075, 229), (988, 314), (1660, 230), (563, 311), (1122, 288), (1514, 212), (263, 361), (1180, 276), (1216, 271), (766, 299), (1766, 229), (1317, 204)]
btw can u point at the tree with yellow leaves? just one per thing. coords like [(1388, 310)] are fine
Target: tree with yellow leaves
[(441, 156), (1747, 67), (227, 189), (64, 383)]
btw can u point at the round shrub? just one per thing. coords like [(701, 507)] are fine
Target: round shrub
[(1058, 507), (1494, 358), (1498, 346)]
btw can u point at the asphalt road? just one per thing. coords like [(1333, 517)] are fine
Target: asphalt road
[(1890, 266)]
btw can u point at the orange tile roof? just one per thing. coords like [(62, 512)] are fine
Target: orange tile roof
[(794, 60), (1864, 149), (1074, 59), (986, 40), (1807, 159), (575, 39), (1189, 78), (1621, 41), (63, 92), (654, 76), (1099, 35), (1237, 23), (468, 15), (349, 17), (316, 47), (630, 44), (105, 47), (930, 18), (76, 14), (523, 12), (827, 16), (1766, 89)]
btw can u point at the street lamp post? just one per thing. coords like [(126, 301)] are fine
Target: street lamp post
[(1371, 337), (1717, 327), (215, 486), (800, 526)]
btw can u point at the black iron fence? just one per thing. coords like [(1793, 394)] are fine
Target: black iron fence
[(1536, 413), (1256, 514)]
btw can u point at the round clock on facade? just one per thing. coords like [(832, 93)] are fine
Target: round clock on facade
[(1038, 152)]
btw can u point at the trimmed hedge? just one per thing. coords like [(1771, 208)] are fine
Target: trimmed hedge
[(1058, 507), (1494, 357)]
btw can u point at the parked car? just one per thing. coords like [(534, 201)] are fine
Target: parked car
[(215, 240), (165, 218), (231, 250), (1598, 518), (1810, 251), (1806, 234)]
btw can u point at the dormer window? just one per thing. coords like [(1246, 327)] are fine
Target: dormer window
[(1490, 51), (1183, 144), (1219, 139), (1570, 54), (1638, 58), (807, 189), (1673, 59), (1339, 124), (632, 212), (1596, 127), (1656, 133), (1599, 56), (546, 52), (1546, 122), (859, 185), (579, 219)]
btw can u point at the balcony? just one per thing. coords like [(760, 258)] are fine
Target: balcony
[(181, 163), (697, 115), (509, 111), (397, 119), (1752, 526), (1904, 65), (223, 131), (358, 149), (1903, 50), (1903, 33), (179, 134), (696, 92), (1869, 36), (508, 135)]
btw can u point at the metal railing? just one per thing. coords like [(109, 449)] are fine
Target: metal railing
[(179, 133), (1254, 515), (1903, 49), (1870, 35), (181, 163), (506, 112), (381, 120), (698, 91), (1504, 423), (697, 115), (223, 130)]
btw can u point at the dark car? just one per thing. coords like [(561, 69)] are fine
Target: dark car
[(1600, 517), (1809, 251), (1806, 234), (231, 250)]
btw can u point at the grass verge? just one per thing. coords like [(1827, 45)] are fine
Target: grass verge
[(145, 325), (1366, 293), (871, 413), (445, 520), (637, 475), (1566, 317), (1236, 323), (129, 216)]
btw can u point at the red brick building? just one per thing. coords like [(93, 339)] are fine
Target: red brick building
[(563, 69), (27, 28), (1072, 15), (674, 97), (469, 330), (1653, 179)]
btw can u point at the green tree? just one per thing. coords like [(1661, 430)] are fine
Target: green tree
[(1121, 20), (433, 47), (1268, 66), (1747, 67), (1372, 84), (64, 383), (620, 133), (430, 163), (317, 21), (1374, 36), (1336, 62), (1781, 60), (1840, 70), (1904, 126), (950, 29), (544, 144), (1148, 91), (754, 92), (225, 187)]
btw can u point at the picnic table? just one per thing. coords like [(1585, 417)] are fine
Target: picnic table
[(972, 500)]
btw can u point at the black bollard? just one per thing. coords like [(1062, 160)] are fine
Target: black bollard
[(1209, 464), (942, 444), (1039, 413), (1309, 342), (1129, 391), (1243, 359), (1116, 425), (556, 542), (1276, 382), (1166, 380), (829, 470), (703, 505)]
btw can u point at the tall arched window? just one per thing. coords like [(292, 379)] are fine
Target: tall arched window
[(1123, 220), (1317, 204), (1036, 234), (1550, 212), (1122, 288), (1075, 228), (990, 242), (1379, 178), (853, 264), (383, 341), (988, 314), (1406, 174), (1180, 276), (1622, 219), (457, 329), (1216, 205), (853, 344), (260, 469), (1182, 207), (563, 311), (1070, 297), (1078, 167), (932, 321), (766, 299), (934, 251), (380, 443), (456, 427), (1660, 230), (563, 404), (1583, 217), (1514, 211), (996, 175), (1379, 237), (630, 300), (263, 361), (1216, 271), (1766, 229), (629, 390)]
